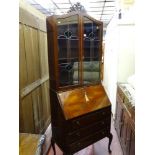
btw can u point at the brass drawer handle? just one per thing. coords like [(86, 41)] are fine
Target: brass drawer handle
[(77, 122)]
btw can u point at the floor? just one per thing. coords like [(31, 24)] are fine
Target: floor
[(98, 148)]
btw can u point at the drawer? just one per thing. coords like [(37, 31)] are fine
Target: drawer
[(89, 119), (103, 125), (78, 145)]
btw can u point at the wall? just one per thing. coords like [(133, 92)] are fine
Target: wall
[(110, 61), (126, 56), (119, 53), (34, 105)]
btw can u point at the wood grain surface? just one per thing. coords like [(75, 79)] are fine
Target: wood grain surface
[(33, 66), (28, 143), (83, 100)]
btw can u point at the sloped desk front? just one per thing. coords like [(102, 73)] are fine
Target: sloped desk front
[(84, 116)]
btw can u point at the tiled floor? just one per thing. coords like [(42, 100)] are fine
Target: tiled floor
[(98, 148)]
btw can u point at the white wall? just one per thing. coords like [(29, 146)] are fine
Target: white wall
[(126, 56), (110, 61), (119, 55)]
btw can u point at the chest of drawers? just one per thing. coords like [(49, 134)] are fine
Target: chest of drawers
[(80, 117)]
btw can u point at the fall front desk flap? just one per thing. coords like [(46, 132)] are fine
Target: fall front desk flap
[(83, 100)]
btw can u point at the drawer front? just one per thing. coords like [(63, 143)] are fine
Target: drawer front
[(74, 147), (103, 125), (89, 119)]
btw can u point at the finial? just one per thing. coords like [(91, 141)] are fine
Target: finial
[(77, 7)]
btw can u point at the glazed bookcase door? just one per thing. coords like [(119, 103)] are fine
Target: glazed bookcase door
[(68, 50), (91, 51)]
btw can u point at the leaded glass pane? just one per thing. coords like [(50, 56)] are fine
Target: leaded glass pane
[(68, 50), (91, 63)]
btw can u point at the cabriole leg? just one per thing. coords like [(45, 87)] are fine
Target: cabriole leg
[(110, 140), (53, 146)]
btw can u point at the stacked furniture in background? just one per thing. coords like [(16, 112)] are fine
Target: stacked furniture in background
[(125, 118)]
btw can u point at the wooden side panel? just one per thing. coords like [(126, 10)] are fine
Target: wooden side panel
[(45, 102), (44, 73), (35, 53), (37, 110), (33, 68), (21, 121), (29, 55), (22, 59), (27, 114), (46, 55), (34, 107), (43, 53), (22, 73), (48, 96), (30, 16), (32, 54)]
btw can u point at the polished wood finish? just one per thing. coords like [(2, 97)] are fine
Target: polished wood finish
[(97, 148), (125, 124), (80, 111), (30, 144), (83, 100), (84, 126)]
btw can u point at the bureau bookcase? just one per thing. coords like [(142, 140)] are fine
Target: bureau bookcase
[(80, 108)]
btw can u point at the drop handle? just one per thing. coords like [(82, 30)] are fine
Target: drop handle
[(77, 122)]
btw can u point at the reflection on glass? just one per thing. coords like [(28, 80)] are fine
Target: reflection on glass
[(91, 73), (91, 39), (68, 52)]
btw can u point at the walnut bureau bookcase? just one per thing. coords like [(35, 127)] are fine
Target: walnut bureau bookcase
[(80, 108)]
